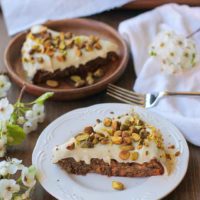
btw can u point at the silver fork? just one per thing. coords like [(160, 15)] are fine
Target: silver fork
[(145, 100)]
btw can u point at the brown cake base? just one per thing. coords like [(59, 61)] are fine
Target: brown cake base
[(152, 168), (43, 76)]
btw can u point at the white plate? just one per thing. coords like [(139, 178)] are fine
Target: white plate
[(65, 186)]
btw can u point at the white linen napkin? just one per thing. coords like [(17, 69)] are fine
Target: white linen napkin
[(139, 32), (20, 15)]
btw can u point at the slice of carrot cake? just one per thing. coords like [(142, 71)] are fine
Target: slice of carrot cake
[(122, 146), (48, 54)]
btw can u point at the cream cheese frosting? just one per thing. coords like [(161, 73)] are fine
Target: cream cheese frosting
[(111, 151), (63, 57)]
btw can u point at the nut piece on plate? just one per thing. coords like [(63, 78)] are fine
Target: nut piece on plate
[(117, 185), (52, 83)]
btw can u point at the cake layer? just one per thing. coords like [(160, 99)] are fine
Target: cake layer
[(42, 75), (133, 169)]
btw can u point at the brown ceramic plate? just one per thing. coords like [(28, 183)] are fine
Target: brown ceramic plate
[(66, 91)]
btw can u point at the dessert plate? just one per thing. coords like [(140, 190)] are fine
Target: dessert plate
[(65, 91), (64, 186)]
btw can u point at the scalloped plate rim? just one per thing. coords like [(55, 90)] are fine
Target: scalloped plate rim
[(78, 192)]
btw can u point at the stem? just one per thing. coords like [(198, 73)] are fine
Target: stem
[(21, 93), (193, 33)]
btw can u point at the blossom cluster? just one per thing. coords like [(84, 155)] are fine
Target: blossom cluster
[(19, 119), (15, 185), (174, 51)]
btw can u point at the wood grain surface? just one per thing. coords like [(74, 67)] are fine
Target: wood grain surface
[(189, 187)]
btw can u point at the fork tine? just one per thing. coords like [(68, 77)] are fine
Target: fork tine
[(141, 100), (124, 98), (126, 92)]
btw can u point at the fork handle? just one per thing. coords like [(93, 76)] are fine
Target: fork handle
[(182, 93)]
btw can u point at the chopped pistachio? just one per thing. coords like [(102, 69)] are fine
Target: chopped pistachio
[(52, 83), (82, 137), (116, 139), (107, 122), (124, 155), (126, 147), (98, 73), (117, 185), (134, 155), (136, 137)]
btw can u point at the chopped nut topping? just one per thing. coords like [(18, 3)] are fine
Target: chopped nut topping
[(125, 134), (71, 146), (89, 79), (124, 155), (68, 35), (88, 47), (118, 133), (115, 125), (78, 52), (171, 147), (124, 127), (127, 140), (88, 129), (82, 136), (139, 146), (117, 185), (107, 122), (134, 155), (136, 137), (177, 153), (60, 58), (127, 147), (75, 78), (116, 139), (98, 73), (97, 46), (105, 141), (40, 60), (52, 83)]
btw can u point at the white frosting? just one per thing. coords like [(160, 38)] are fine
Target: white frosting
[(51, 64), (107, 152)]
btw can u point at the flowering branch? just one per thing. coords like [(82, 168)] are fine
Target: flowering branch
[(19, 119), (14, 185)]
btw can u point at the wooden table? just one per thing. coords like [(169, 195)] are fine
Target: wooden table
[(189, 187)]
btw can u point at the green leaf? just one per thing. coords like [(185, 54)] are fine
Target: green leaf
[(13, 118), (40, 100), (16, 134), (32, 170)]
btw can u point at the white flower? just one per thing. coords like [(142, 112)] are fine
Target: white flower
[(30, 115), (30, 126), (28, 176), (3, 141), (21, 120), (4, 85), (6, 109), (10, 167), (38, 110), (26, 194), (7, 188)]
